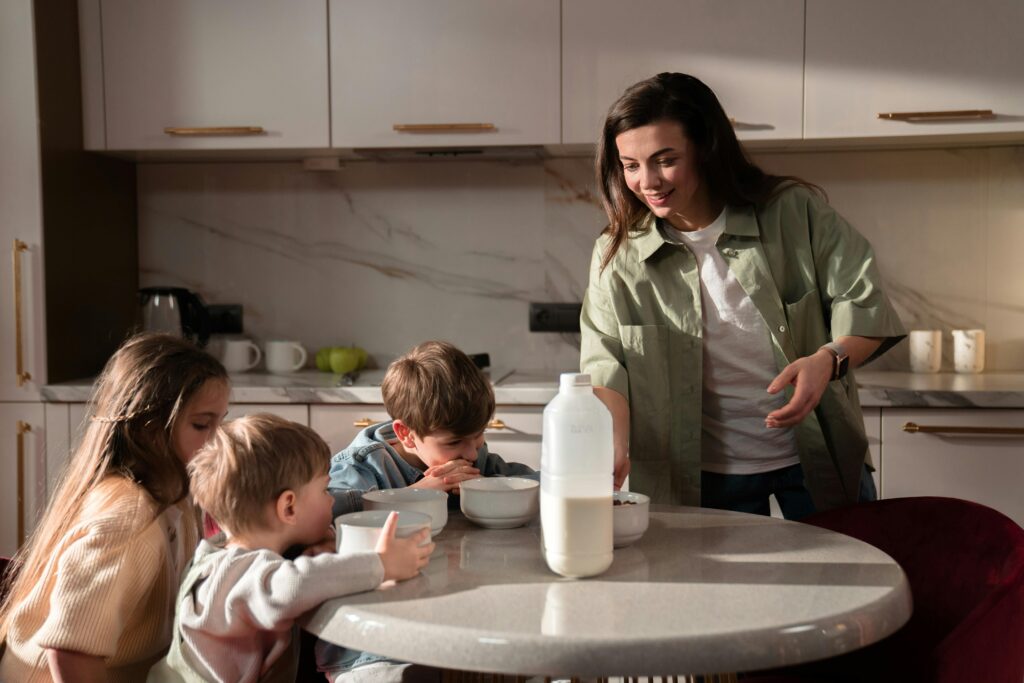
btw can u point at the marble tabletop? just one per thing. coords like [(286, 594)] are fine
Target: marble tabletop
[(702, 591)]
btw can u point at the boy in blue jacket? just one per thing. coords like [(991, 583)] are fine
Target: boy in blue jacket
[(440, 404)]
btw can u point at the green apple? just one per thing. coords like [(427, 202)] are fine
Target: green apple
[(344, 359), (362, 357), (323, 359)]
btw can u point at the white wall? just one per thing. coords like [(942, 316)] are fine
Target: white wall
[(388, 254)]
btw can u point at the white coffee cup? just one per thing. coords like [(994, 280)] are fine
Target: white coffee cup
[(968, 350), (284, 356), (925, 350), (239, 355), (359, 531)]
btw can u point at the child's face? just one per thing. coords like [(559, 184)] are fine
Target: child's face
[(440, 447), (202, 415), (313, 506)]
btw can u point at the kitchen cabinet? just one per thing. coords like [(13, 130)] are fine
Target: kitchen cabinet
[(296, 412), (941, 460), (231, 74), (429, 66), (873, 57), (750, 54), (339, 424), (23, 491)]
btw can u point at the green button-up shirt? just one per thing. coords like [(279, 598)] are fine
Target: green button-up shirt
[(812, 277)]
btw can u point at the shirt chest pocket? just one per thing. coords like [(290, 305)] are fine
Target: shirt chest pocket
[(807, 327)]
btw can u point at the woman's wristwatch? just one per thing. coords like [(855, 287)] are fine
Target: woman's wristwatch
[(840, 359)]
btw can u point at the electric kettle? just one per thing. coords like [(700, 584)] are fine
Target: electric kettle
[(175, 310)]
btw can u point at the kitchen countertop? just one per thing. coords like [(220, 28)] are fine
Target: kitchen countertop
[(877, 389)]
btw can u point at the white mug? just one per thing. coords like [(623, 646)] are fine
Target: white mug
[(239, 355), (925, 350), (359, 531), (969, 350), (285, 356)]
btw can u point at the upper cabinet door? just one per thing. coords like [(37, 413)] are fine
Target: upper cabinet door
[(749, 53), (413, 74), (876, 57), (197, 65)]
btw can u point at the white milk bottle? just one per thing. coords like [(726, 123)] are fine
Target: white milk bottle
[(576, 480)]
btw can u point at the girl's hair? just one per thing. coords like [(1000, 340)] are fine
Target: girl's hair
[(139, 398), (250, 462), (728, 174)]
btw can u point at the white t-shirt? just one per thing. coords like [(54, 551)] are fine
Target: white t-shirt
[(738, 366)]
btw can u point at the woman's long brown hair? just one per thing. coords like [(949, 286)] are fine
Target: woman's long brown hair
[(731, 178), (138, 400)]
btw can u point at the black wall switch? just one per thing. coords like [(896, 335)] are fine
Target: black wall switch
[(564, 317), (225, 318)]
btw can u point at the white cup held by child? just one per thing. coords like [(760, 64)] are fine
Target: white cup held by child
[(969, 350), (359, 531), (284, 356), (925, 350), (239, 355)]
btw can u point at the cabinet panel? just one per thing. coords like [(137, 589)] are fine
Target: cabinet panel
[(875, 56), (339, 424), (750, 54), (987, 469), (23, 435), (520, 438), (444, 62), (194, 63), (21, 210)]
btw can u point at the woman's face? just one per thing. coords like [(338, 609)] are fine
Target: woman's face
[(201, 416), (659, 167)]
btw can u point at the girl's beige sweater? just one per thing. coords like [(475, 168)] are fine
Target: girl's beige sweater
[(109, 587)]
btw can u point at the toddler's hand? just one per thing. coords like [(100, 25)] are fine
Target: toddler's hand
[(328, 544), (403, 557)]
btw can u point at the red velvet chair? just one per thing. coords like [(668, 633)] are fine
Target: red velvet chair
[(965, 566)]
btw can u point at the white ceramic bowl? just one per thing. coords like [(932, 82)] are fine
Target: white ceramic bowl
[(630, 518), (359, 531), (500, 502), (431, 503)]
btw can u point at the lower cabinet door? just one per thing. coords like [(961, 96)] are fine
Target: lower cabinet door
[(515, 432), (22, 433), (339, 424), (928, 452), (296, 412)]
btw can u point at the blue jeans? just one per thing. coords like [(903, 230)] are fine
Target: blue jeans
[(749, 492)]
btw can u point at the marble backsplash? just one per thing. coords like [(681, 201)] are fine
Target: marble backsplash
[(387, 254)]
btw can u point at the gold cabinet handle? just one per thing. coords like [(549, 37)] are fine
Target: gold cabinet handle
[(914, 428), (19, 351), (22, 429), (365, 422), (215, 130), (444, 127), (927, 116), (496, 424)]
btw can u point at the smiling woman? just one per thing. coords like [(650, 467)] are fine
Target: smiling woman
[(724, 309)]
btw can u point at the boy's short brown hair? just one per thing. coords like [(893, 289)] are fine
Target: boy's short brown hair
[(437, 387), (251, 461)]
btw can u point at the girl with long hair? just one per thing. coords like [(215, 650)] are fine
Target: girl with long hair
[(725, 308), (92, 591)]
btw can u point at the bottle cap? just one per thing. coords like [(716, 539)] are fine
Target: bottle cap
[(569, 380)]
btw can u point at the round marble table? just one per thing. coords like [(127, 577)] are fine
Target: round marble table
[(702, 591)]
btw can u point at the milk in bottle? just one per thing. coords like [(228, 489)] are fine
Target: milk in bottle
[(576, 480)]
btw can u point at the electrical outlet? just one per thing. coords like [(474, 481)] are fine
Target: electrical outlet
[(225, 318), (563, 317)]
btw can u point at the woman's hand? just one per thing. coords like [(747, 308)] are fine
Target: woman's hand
[(403, 557), (448, 476), (810, 375), (67, 666)]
